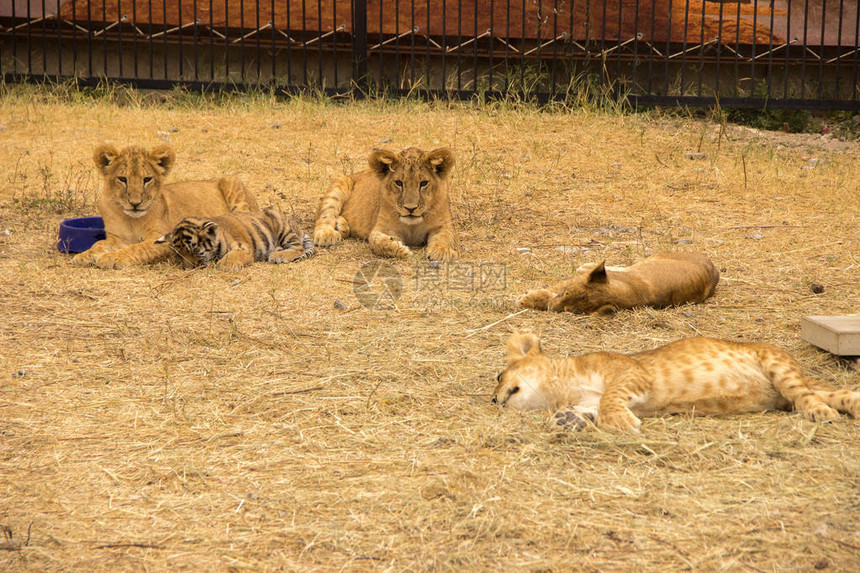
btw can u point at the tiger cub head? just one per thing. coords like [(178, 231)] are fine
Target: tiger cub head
[(195, 241)]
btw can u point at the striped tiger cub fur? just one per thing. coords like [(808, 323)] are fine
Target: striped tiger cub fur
[(239, 238)]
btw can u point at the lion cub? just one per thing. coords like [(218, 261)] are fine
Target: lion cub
[(701, 375), (401, 201), (661, 280), (138, 207)]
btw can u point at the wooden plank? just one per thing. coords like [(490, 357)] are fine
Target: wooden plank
[(839, 335), (704, 21)]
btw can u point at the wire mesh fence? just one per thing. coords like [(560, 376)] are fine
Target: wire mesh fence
[(751, 53)]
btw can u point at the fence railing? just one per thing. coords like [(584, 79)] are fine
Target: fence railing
[(752, 53)]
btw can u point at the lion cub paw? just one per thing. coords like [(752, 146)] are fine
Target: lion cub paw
[(821, 413), (84, 259), (441, 252), (112, 261), (397, 250), (391, 248), (571, 419), (537, 299), (621, 420), (327, 236)]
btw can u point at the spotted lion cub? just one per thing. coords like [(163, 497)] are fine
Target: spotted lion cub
[(701, 375)]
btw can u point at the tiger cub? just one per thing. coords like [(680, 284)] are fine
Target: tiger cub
[(239, 238)]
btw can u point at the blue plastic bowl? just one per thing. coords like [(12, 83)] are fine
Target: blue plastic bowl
[(79, 234)]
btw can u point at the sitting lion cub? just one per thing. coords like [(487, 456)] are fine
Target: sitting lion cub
[(661, 280), (401, 200), (138, 208), (700, 375)]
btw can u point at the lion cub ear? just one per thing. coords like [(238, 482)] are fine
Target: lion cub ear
[(441, 161), (164, 157), (103, 156), (382, 161), (163, 239), (520, 345), (598, 274)]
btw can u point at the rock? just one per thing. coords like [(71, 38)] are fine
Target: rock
[(524, 250), (163, 136), (276, 125), (683, 241), (384, 140), (755, 236), (816, 288), (339, 305), (696, 155)]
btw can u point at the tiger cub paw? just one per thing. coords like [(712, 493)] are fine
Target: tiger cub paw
[(287, 256), (234, 261), (537, 299)]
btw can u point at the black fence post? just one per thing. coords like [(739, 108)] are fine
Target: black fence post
[(359, 47)]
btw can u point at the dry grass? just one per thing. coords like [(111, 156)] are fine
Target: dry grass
[(159, 419)]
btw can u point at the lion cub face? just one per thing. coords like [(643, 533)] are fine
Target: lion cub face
[(412, 179), (586, 293), (522, 384), (133, 176)]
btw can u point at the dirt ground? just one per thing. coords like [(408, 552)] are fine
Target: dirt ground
[(163, 419)]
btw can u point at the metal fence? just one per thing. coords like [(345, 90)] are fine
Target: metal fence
[(753, 53)]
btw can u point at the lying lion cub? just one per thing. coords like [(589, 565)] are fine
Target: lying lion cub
[(661, 280), (700, 375)]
